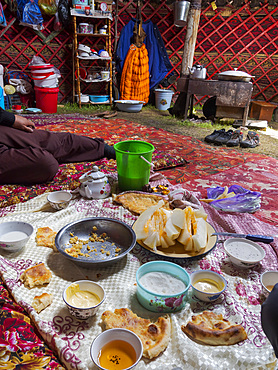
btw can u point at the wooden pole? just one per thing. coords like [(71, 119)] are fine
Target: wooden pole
[(193, 20), (191, 36)]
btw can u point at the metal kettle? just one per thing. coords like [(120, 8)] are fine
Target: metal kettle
[(198, 71)]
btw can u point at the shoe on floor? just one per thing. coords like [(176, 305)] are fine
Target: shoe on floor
[(252, 140), (235, 139), (210, 138), (223, 138)]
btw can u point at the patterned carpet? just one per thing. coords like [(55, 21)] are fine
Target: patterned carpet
[(182, 159)]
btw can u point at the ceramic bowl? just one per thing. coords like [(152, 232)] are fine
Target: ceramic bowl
[(118, 334), (84, 48), (208, 276), (268, 280), (83, 98), (14, 235), (59, 199), (104, 54), (130, 106), (158, 302), (243, 253), (84, 313)]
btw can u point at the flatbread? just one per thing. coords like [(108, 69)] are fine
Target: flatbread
[(36, 276), (154, 336), (45, 237), (40, 302), (138, 202), (212, 329)]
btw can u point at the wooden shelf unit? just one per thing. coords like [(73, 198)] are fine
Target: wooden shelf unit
[(100, 61)]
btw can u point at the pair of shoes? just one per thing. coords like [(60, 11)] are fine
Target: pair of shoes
[(235, 139), (210, 138), (222, 137), (252, 140)]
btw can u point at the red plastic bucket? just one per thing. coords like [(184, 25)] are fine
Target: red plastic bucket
[(46, 99)]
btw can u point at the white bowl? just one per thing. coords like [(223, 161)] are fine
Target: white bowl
[(206, 276), (268, 280), (243, 253), (59, 199), (14, 235), (84, 313), (131, 106), (84, 54), (116, 335), (84, 48), (83, 98)]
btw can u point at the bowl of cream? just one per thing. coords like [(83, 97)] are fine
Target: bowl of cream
[(243, 253), (207, 285), (14, 235), (162, 286), (83, 298)]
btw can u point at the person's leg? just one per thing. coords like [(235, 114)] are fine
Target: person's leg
[(26, 166), (68, 148)]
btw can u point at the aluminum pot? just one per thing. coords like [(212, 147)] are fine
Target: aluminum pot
[(235, 75)]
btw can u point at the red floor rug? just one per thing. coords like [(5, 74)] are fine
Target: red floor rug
[(182, 159)]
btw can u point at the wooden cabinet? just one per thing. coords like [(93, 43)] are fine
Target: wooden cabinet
[(88, 69)]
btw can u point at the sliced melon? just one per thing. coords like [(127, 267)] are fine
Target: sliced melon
[(201, 236)]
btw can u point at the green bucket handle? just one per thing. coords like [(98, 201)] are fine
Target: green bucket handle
[(144, 159)]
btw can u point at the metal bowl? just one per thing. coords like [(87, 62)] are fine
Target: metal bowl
[(130, 106), (121, 239)]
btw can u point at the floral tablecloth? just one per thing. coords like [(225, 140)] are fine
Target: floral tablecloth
[(71, 338)]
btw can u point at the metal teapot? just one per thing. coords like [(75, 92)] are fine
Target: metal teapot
[(198, 71), (94, 185)]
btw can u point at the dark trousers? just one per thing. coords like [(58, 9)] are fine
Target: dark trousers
[(32, 158)]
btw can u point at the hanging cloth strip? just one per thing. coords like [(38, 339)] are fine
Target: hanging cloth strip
[(159, 63)]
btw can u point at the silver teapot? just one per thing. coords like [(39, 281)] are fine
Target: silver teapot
[(198, 72), (94, 185)]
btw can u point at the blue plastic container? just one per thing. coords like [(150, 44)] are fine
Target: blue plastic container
[(98, 98), (2, 101), (161, 302)]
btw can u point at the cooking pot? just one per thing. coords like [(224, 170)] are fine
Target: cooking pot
[(198, 71), (235, 75)]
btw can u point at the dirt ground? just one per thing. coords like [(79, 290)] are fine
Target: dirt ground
[(199, 130)]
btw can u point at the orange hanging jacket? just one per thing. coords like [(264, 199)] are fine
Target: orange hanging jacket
[(135, 78)]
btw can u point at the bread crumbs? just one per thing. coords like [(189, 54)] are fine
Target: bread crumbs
[(75, 245)]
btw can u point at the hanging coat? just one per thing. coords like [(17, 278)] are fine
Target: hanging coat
[(135, 79), (159, 63)]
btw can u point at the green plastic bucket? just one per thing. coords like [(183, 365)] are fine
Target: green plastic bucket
[(134, 159)]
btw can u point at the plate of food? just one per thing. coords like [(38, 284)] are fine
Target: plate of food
[(95, 241), (175, 234)]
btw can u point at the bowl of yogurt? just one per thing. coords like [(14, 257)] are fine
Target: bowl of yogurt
[(83, 298), (14, 235), (243, 253), (207, 285), (162, 286)]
